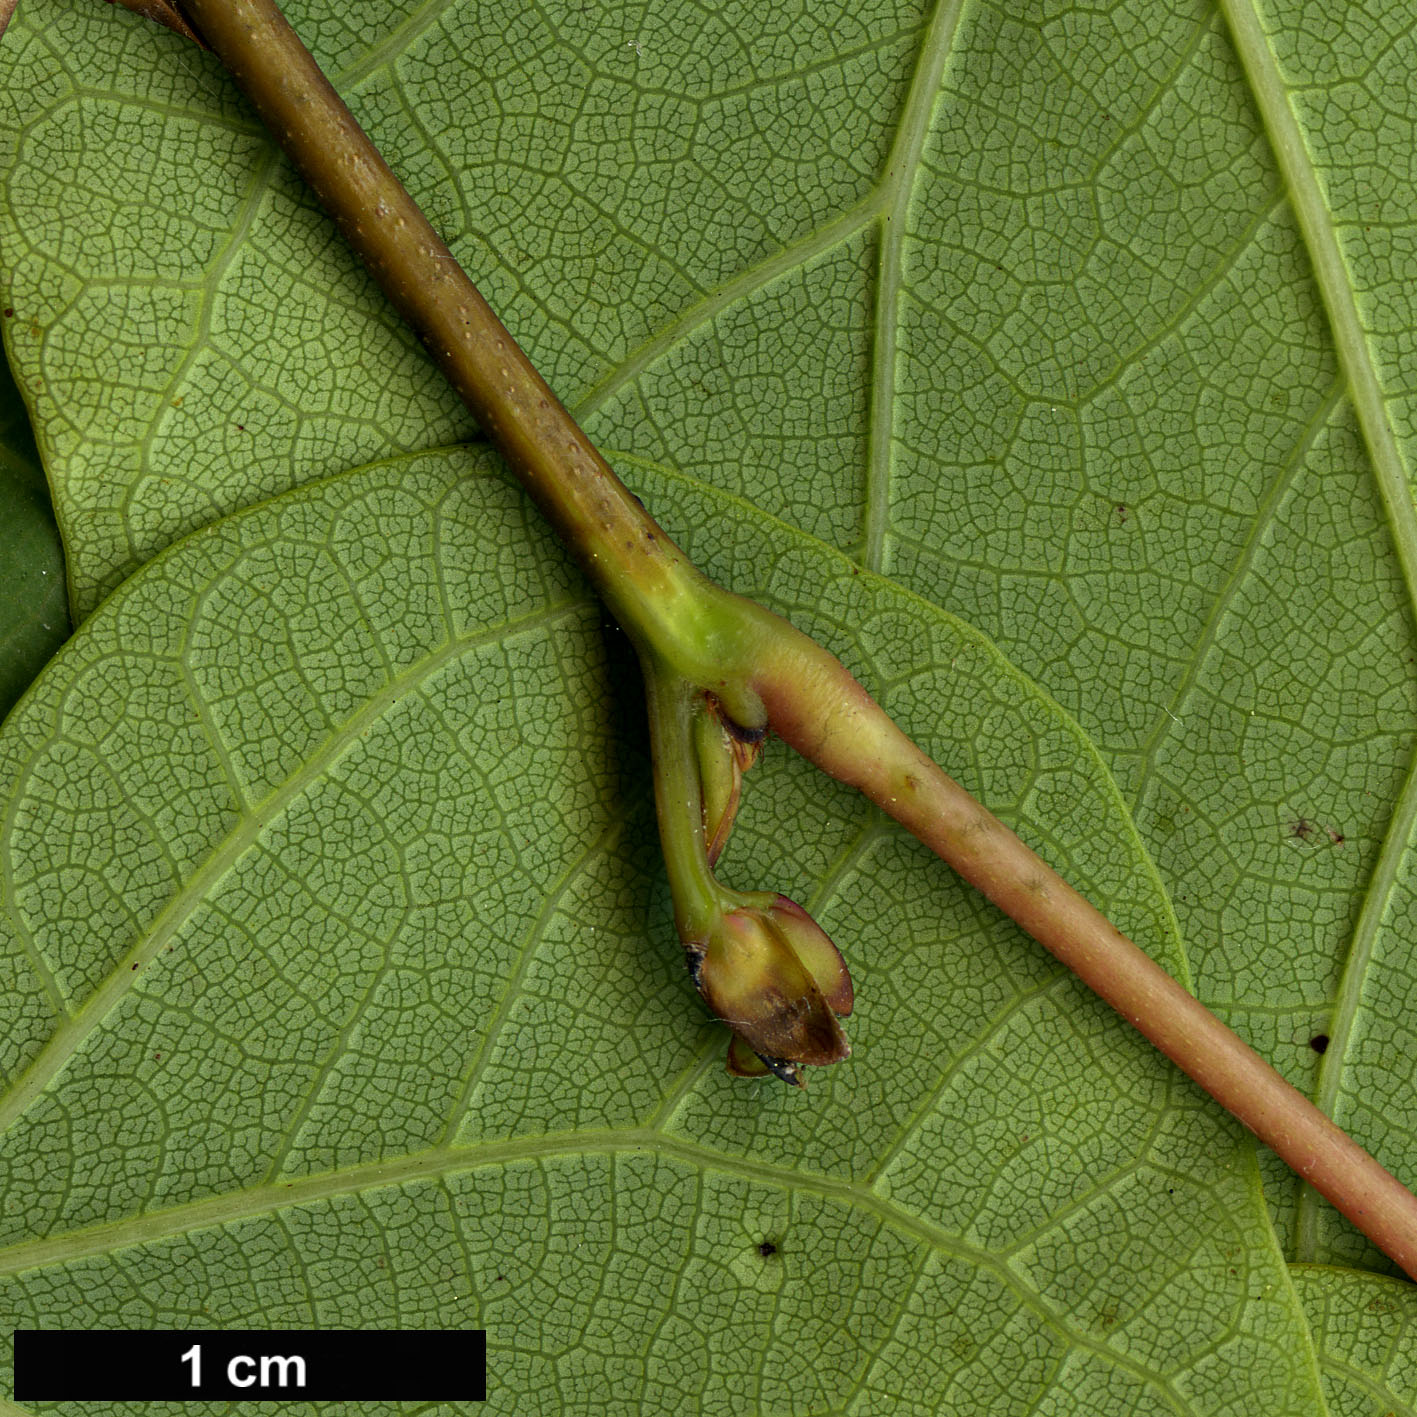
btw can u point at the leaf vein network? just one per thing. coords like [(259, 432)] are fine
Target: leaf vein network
[(270, 1200), (224, 854)]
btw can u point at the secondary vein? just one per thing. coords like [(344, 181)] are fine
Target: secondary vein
[(899, 184), (70, 1034), (1356, 360)]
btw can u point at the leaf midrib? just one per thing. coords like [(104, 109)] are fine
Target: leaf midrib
[(267, 1200), (1336, 290), (1355, 359)]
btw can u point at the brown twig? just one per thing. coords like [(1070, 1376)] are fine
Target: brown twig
[(761, 669)]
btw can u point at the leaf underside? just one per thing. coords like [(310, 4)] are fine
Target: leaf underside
[(379, 989), (1091, 326), (34, 618)]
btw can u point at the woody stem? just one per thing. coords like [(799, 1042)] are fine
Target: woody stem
[(757, 666)]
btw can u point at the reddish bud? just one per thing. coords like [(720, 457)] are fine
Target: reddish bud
[(725, 752), (779, 983)]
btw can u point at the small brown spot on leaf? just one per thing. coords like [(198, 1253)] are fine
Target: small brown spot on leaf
[(767, 1249), (1319, 1043)]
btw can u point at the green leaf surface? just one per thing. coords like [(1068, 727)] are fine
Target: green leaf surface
[(1094, 325), (34, 615), (194, 332), (347, 993), (1365, 1330)]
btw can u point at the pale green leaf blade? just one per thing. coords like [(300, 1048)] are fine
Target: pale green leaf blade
[(1336, 96), (34, 616), (376, 1016), (202, 338), (1034, 310), (1365, 1331), (1139, 410), (135, 201)]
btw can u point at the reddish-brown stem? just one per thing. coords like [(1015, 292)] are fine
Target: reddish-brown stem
[(749, 659), (815, 705)]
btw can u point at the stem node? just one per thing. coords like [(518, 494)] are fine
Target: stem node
[(694, 638)]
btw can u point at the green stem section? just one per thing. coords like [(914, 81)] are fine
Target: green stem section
[(696, 638), (656, 593), (572, 484), (698, 898)]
